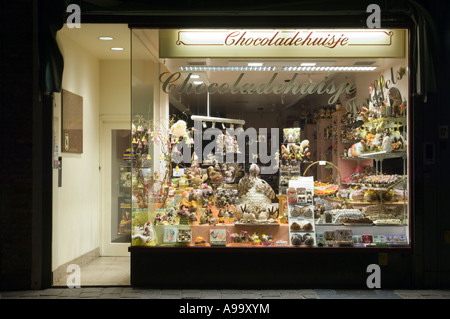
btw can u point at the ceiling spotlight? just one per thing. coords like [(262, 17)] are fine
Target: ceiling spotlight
[(106, 38), (117, 49)]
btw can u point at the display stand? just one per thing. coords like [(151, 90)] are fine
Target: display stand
[(301, 213)]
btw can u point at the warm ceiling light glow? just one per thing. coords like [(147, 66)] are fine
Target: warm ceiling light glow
[(227, 68), (198, 82), (195, 76), (255, 64), (106, 38), (117, 49), (328, 68), (308, 64)]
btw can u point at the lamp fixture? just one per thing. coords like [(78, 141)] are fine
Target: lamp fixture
[(308, 64), (117, 49), (328, 68), (104, 38), (255, 64), (227, 68), (217, 119)]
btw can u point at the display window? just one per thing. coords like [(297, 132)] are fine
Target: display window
[(270, 138)]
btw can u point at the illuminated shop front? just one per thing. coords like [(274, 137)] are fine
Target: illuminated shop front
[(243, 199), (250, 145)]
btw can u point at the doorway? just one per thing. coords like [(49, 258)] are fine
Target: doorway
[(115, 172)]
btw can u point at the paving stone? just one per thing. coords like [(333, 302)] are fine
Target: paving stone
[(434, 297), (292, 295), (93, 289), (171, 292), (114, 290), (250, 296), (190, 294), (150, 296), (75, 292), (310, 296), (9, 294), (231, 295), (270, 293), (89, 295), (325, 291), (146, 293), (211, 296), (355, 292), (131, 295), (51, 292)]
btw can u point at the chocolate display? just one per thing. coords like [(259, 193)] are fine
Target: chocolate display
[(211, 197), (254, 197)]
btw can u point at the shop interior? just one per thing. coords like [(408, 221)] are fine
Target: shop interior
[(347, 186), (341, 172)]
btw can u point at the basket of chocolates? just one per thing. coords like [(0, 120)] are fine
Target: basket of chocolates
[(326, 188)]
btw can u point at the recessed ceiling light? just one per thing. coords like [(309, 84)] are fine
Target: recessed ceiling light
[(255, 64), (198, 82), (195, 76), (308, 64), (117, 49), (106, 38)]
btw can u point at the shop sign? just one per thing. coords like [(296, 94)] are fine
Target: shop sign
[(171, 84), (281, 43)]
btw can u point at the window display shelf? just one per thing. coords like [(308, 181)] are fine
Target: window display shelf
[(383, 155), (389, 122), (362, 203), (345, 141), (321, 227)]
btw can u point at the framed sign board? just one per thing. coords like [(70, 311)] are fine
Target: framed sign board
[(72, 122)]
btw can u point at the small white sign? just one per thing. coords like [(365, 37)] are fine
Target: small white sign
[(178, 173)]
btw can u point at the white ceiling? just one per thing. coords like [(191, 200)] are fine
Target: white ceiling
[(87, 37)]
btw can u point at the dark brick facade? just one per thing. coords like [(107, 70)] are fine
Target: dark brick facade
[(16, 143), (25, 155)]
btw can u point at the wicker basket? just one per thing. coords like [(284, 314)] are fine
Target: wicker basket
[(333, 188)]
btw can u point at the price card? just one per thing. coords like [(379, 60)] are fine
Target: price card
[(178, 173)]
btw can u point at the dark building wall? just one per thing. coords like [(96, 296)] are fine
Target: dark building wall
[(25, 121), (439, 174), (16, 143)]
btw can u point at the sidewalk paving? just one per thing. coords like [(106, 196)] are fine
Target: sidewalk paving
[(144, 293)]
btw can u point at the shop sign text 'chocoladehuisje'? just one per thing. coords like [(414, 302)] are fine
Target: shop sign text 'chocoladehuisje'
[(239, 86)]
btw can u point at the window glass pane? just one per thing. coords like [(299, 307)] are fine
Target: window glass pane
[(120, 186), (272, 149)]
